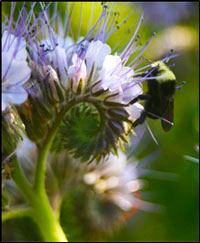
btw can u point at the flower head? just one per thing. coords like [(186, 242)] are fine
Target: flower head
[(86, 73), (114, 180)]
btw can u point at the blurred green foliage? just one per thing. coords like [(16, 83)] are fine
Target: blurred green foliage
[(179, 220)]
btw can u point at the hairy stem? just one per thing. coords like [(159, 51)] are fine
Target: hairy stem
[(47, 222), (42, 212), (22, 183), (44, 149), (39, 183)]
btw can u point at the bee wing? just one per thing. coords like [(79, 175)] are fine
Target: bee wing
[(168, 114)]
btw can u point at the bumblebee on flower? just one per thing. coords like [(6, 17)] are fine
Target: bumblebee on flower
[(76, 95), (87, 72), (85, 78)]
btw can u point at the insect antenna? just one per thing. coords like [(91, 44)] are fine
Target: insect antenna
[(170, 56), (172, 65), (161, 118)]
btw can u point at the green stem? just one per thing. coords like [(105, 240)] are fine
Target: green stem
[(22, 183), (42, 156), (42, 212), (39, 183), (18, 213), (45, 218), (51, 230)]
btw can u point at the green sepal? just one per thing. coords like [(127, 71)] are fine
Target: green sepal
[(59, 92), (119, 114)]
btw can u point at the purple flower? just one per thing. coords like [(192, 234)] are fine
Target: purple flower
[(87, 71), (89, 62), (15, 69), (114, 179)]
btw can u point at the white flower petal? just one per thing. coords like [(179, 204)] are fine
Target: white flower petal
[(12, 44), (59, 60), (4, 102), (114, 75), (6, 59), (110, 65), (78, 68), (111, 83), (96, 53), (67, 42), (77, 71), (16, 95), (115, 165), (131, 93), (135, 110), (71, 71), (126, 72), (18, 71), (124, 201)]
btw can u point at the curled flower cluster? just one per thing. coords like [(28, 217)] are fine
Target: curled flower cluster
[(59, 73), (82, 74), (78, 81)]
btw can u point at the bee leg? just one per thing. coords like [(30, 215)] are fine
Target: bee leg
[(140, 97), (140, 120)]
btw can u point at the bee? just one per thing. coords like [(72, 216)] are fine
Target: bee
[(159, 99)]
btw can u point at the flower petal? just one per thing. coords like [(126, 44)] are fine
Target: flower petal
[(16, 95), (18, 71), (96, 53), (78, 68), (4, 102), (131, 93), (110, 65), (135, 110), (14, 45)]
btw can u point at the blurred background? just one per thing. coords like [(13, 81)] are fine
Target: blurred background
[(177, 27)]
